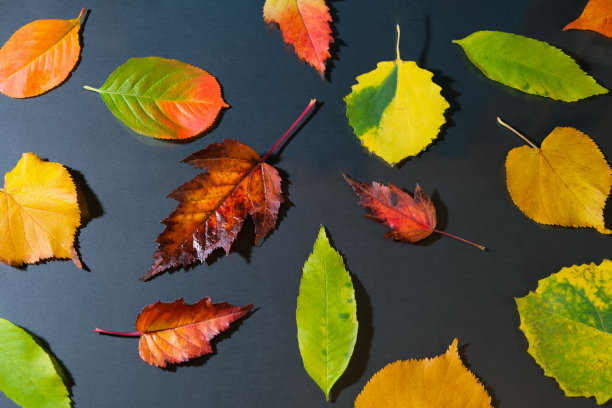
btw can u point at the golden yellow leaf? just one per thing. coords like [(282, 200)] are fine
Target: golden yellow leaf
[(440, 382), (565, 182), (39, 212)]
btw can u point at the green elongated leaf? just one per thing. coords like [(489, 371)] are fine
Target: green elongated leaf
[(568, 323), (326, 315), (162, 98), (529, 65), (27, 373)]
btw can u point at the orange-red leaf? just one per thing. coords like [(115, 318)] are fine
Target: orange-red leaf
[(177, 332), (213, 205), (305, 25), (410, 219), (597, 16), (39, 56)]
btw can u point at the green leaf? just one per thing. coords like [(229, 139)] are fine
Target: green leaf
[(162, 98), (326, 315), (396, 110), (27, 373), (568, 323), (529, 65)]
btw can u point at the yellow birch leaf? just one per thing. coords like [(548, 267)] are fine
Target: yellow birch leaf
[(396, 110), (39, 213), (564, 182), (439, 382)]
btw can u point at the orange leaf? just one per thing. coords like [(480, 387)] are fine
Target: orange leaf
[(597, 16), (213, 206), (441, 381), (39, 212), (177, 332), (305, 25), (39, 56)]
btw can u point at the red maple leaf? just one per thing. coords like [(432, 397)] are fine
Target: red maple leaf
[(410, 219)]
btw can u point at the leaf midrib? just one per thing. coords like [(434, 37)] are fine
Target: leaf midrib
[(198, 101), (193, 323)]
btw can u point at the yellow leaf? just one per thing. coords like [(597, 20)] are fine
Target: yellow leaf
[(39, 212), (565, 182), (396, 110), (440, 382)]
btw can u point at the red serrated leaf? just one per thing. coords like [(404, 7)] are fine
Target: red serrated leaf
[(410, 219), (177, 332), (214, 205)]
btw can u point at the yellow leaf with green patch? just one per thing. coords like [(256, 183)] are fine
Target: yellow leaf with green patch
[(396, 110), (568, 323)]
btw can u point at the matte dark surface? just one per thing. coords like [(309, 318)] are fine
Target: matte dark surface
[(412, 299)]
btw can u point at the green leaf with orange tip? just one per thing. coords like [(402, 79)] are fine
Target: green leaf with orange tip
[(326, 315), (529, 65), (568, 323), (396, 110), (305, 24), (162, 98), (28, 374), (39, 56)]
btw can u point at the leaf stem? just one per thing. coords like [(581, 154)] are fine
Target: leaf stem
[(81, 14), (397, 53), (529, 142), (310, 105), (123, 334), (89, 88), (481, 247)]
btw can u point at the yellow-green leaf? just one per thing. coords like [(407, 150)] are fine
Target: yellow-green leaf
[(564, 182), (396, 110), (28, 375), (326, 315), (568, 323)]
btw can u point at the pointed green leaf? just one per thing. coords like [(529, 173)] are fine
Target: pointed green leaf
[(162, 98), (326, 315), (568, 323), (27, 373), (529, 65)]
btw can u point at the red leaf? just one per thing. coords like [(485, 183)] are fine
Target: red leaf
[(410, 219), (177, 332), (213, 205)]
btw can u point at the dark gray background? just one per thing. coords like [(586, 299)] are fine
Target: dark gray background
[(412, 299)]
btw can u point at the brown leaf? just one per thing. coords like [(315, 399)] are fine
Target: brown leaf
[(213, 206)]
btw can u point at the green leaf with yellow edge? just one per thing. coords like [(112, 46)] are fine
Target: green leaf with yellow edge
[(564, 182), (28, 375), (568, 323), (529, 65), (326, 315), (396, 110)]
